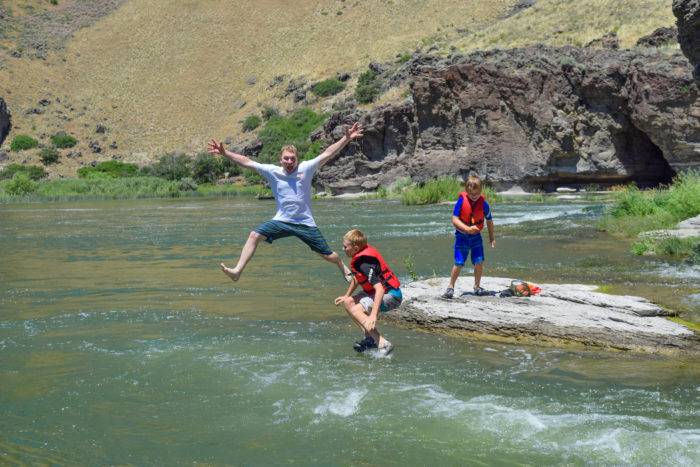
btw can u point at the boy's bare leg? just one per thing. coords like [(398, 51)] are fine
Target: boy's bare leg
[(478, 272), (358, 315), (454, 275), (335, 259), (246, 254)]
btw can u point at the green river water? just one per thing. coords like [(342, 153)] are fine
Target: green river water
[(122, 343)]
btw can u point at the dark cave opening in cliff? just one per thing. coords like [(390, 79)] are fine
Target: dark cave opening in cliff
[(643, 160)]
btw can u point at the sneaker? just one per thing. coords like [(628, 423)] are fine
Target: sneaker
[(449, 293), (480, 291), (366, 343), (386, 349)]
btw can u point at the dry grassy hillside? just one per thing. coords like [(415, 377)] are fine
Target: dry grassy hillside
[(166, 75)]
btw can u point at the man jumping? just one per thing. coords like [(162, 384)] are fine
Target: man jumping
[(291, 186)]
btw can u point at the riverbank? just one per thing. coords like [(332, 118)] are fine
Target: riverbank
[(646, 216), (562, 315)]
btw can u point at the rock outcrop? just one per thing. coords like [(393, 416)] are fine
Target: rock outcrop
[(659, 38), (5, 121), (561, 315), (538, 117), (688, 20)]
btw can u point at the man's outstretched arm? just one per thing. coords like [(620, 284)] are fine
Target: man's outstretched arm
[(217, 147), (354, 132)]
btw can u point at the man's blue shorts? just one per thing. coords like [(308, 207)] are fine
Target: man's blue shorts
[(464, 244), (272, 230)]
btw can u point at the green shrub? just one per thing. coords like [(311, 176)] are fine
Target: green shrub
[(367, 87), (433, 191), (170, 166), (34, 172), (328, 87), (48, 156), (188, 184), (23, 142), (293, 129), (114, 169), (251, 122), (21, 185), (682, 248), (439, 190), (63, 140)]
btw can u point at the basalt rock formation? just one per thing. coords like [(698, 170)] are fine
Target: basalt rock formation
[(537, 117), (5, 121), (688, 20)]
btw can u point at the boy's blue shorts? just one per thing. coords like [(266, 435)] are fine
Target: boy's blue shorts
[(464, 244)]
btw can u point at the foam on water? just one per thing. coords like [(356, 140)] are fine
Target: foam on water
[(341, 403)]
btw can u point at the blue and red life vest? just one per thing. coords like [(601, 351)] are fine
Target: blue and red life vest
[(386, 275), (472, 213)]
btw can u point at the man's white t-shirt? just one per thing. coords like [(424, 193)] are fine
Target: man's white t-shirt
[(292, 191)]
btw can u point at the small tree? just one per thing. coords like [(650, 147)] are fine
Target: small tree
[(63, 140), (48, 156), (23, 142)]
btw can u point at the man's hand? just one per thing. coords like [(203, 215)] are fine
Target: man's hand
[(340, 299), (370, 322), (354, 132), (216, 147)]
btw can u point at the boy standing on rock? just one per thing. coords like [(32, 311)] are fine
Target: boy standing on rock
[(291, 186), (468, 217), (380, 291)]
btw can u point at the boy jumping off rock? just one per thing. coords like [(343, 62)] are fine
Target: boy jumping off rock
[(380, 291)]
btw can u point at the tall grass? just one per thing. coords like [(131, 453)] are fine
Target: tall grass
[(636, 211), (439, 190), (105, 187)]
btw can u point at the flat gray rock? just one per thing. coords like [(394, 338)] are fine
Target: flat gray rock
[(561, 314), (685, 229)]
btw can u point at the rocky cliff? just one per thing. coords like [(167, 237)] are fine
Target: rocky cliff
[(688, 14), (5, 121), (538, 117)]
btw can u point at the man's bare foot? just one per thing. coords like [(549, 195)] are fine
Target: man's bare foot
[(232, 273)]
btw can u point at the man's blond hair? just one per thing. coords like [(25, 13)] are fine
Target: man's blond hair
[(356, 238), (472, 182), (289, 148)]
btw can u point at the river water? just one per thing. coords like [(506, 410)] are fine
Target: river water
[(122, 343)]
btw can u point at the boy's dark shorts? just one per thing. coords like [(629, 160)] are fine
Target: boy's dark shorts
[(273, 230)]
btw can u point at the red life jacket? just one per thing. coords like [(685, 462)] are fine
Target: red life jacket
[(472, 212), (386, 276)]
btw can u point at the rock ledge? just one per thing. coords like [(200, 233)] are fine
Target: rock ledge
[(562, 315)]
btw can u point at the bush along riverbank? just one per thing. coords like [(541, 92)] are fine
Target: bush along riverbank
[(172, 176), (635, 211)]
